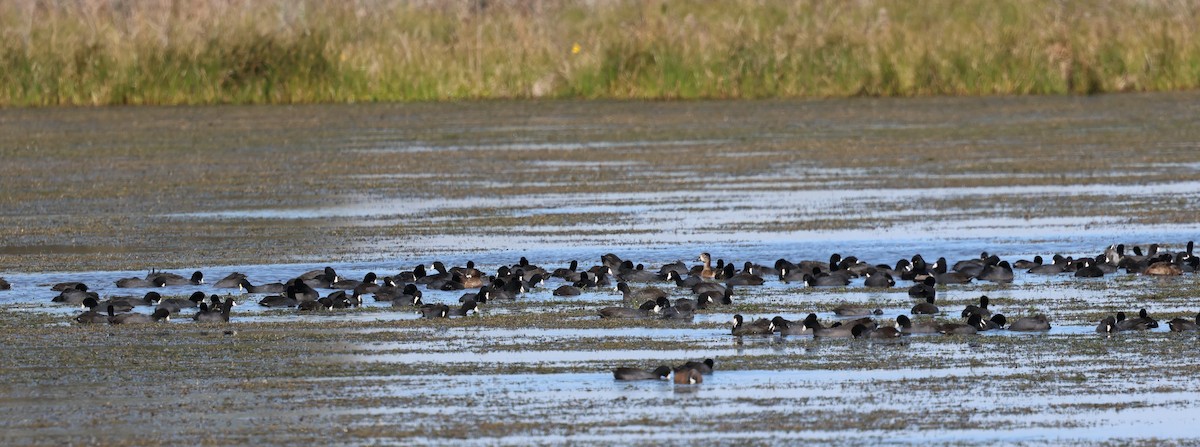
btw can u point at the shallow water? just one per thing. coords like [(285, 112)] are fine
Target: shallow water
[(381, 188)]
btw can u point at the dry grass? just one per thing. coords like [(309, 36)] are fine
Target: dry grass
[(286, 51)]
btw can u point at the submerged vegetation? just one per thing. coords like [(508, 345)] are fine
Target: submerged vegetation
[(283, 51)]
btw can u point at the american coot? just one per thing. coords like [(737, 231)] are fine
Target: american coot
[(713, 297), (907, 326), (642, 311), (648, 293), (998, 321), (883, 333), (855, 311), (216, 315), (171, 279), (245, 286), (4, 285), (625, 373), (981, 310), (278, 301), (703, 367), (435, 311), (91, 316), (973, 325), (1142, 322), (134, 318), (1107, 325), (1030, 324), (926, 308), (927, 288), (323, 303), (139, 283), (879, 280), (230, 281), (762, 326)]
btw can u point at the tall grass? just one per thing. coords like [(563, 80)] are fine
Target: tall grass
[(286, 51)]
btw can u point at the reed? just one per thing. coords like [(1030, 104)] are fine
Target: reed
[(297, 51)]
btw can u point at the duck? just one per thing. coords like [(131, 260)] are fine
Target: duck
[(687, 376), (704, 367), (707, 271), (973, 325), (908, 327), (1141, 323), (91, 316), (230, 281), (880, 280), (981, 310), (1163, 268), (630, 374), (1184, 324), (1030, 324), (762, 326), (925, 308), (135, 318)]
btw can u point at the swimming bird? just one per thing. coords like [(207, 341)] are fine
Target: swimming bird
[(1107, 325), (174, 305), (1030, 324), (909, 327), (628, 374), (926, 288), (881, 280), (762, 326), (216, 315), (883, 333), (1001, 272), (981, 310), (469, 307), (1184, 324), (973, 325), (171, 279), (245, 286), (91, 316), (703, 367), (642, 311), (925, 308), (278, 301), (647, 293), (1140, 323), (724, 297), (855, 311), (707, 271), (323, 303), (135, 318), (4, 284), (435, 311), (140, 283), (687, 376), (230, 281)]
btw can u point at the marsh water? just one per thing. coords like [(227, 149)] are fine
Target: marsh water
[(95, 195)]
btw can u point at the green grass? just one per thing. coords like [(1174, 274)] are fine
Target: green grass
[(283, 51)]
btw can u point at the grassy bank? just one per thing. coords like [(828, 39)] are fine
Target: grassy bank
[(287, 51)]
